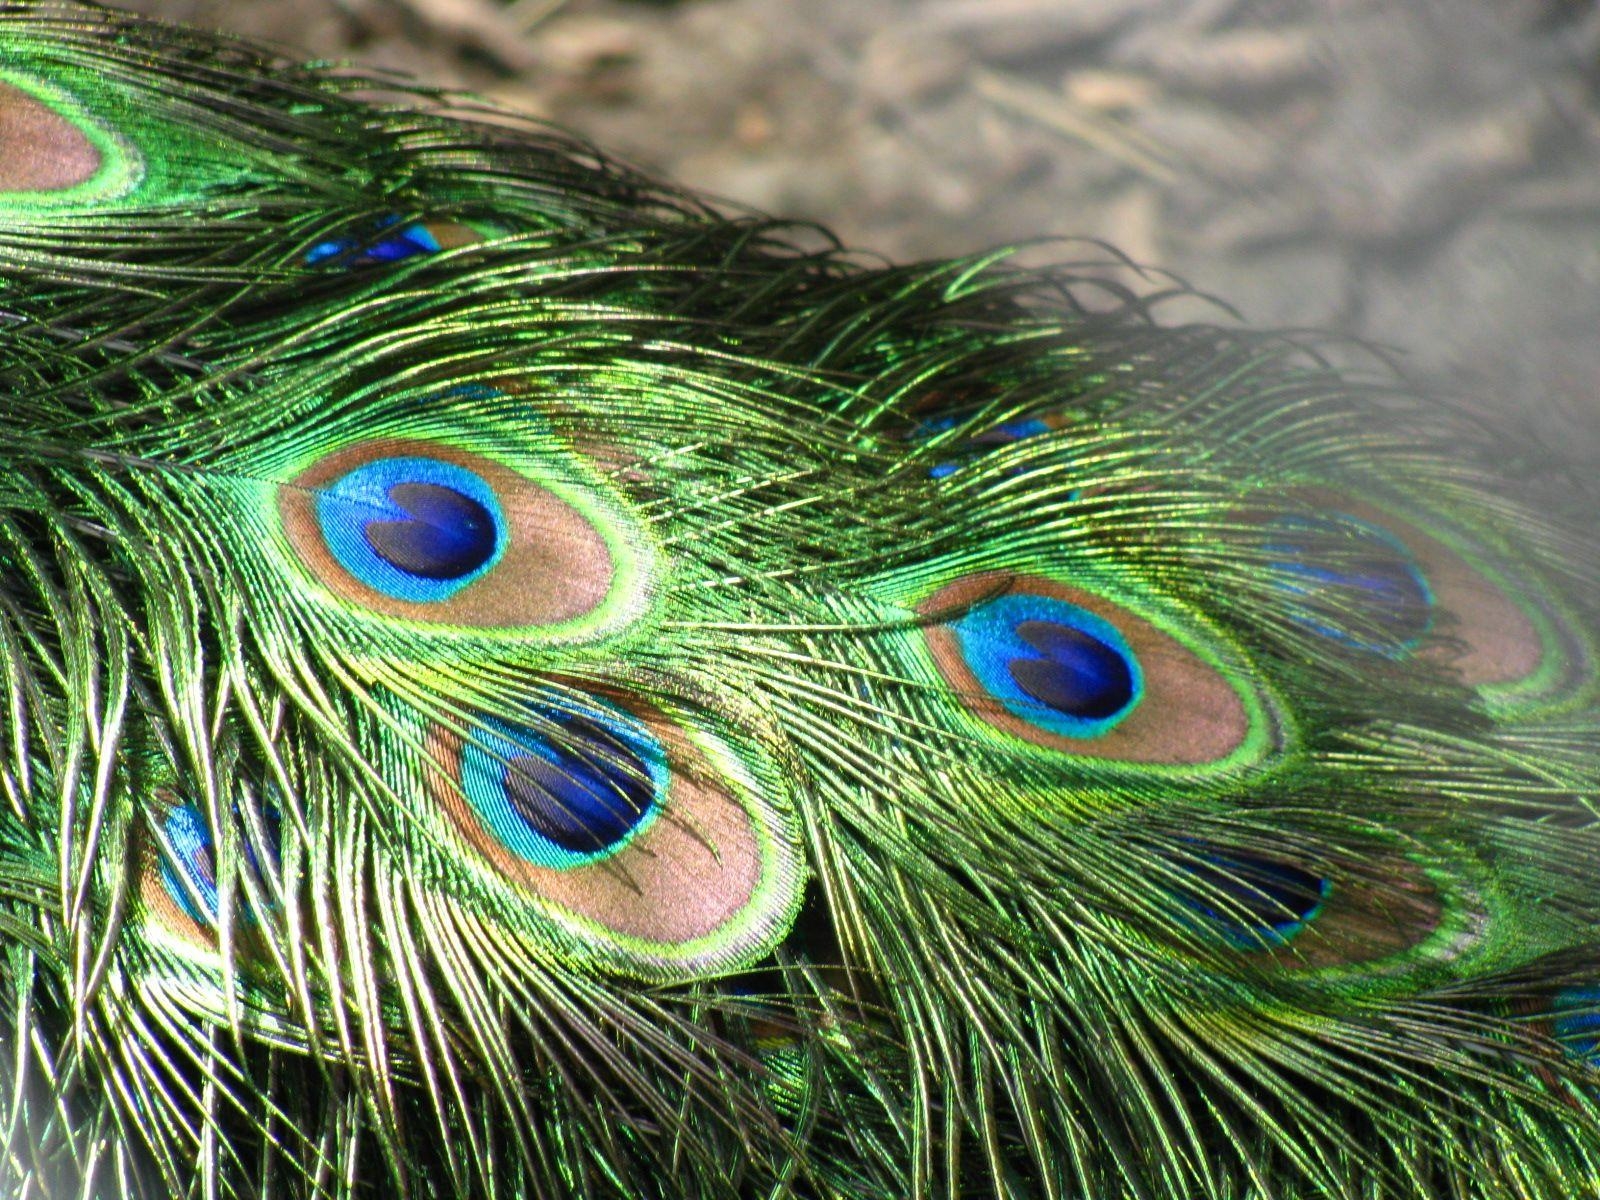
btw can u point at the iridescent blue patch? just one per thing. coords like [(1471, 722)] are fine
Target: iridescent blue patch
[(412, 240), (1375, 577), (979, 444), (1251, 901), (570, 792), (1053, 664), (413, 528), (189, 875), (1577, 1023)]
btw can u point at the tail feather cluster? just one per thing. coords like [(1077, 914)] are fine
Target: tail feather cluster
[(520, 684)]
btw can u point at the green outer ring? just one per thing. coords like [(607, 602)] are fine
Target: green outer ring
[(121, 167), (625, 601), (761, 922), (1263, 714)]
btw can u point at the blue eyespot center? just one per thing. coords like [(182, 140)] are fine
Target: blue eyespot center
[(1077, 674), (586, 795), (447, 535), (407, 242), (575, 789), (413, 528), (1251, 901), (978, 444), (1053, 664), (1375, 580)]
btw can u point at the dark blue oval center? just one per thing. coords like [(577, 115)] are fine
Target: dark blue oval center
[(445, 534), (411, 527), (567, 789), (1372, 593), (1051, 663), (586, 793), (1077, 674), (1250, 900)]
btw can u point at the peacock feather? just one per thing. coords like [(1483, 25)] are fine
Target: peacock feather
[(519, 684)]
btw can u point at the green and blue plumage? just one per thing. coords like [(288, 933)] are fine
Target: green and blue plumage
[(517, 684)]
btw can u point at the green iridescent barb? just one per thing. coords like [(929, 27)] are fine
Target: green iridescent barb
[(516, 684)]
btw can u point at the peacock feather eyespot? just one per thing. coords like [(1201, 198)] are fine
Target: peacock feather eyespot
[(1387, 916), (616, 835), (189, 875), (40, 149), (50, 150), (1077, 671), (1503, 629), (61, 148), (1366, 588), (1576, 1023), (181, 889), (432, 533)]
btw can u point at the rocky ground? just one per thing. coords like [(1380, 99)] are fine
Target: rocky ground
[(1421, 173)]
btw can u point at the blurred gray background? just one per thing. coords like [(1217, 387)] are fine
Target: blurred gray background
[(1420, 173)]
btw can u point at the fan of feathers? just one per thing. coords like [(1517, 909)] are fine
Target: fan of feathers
[(517, 683)]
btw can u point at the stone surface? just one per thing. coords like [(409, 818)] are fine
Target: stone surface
[(1420, 173)]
